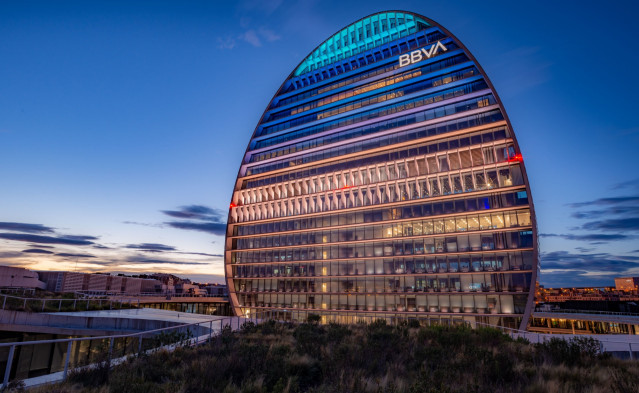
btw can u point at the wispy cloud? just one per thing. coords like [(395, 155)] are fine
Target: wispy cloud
[(144, 224), (226, 42), (198, 218), (47, 247), (268, 34), (150, 247), (202, 254), (68, 240), (37, 251), (634, 183), (72, 255), (25, 227), (251, 37), (197, 212), (592, 237), (250, 31), (608, 219), (560, 268)]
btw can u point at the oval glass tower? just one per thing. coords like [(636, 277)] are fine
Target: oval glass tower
[(384, 180)]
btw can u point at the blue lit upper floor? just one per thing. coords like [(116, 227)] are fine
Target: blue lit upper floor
[(360, 36)]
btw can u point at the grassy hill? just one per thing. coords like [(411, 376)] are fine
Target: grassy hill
[(275, 357)]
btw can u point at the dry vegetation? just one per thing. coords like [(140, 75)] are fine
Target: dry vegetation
[(275, 357)]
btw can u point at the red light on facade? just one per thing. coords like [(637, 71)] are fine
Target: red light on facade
[(345, 187), (233, 205), (516, 158)]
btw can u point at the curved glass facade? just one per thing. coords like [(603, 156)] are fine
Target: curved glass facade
[(384, 180)]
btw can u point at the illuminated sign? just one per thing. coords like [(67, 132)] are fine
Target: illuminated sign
[(420, 54)]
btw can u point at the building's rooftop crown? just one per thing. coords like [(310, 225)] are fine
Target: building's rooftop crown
[(364, 34)]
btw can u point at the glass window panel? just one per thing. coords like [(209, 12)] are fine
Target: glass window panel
[(457, 184), (450, 225), (485, 221), (443, 164), (423, 188), (445, 185), (491, 179), (434, 187), (462, 243), (432, 165), (523, 218), (428, 228), (466, 161), (439, 226), (504, 178), (454, 161), (480, 180), (489, 158), (468, 182), (461, 224), (477, 157), (421, 165)]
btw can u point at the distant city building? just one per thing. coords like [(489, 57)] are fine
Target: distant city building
[(17, 277), (217, 290), (62, 281), (384, 180), (627, 283)]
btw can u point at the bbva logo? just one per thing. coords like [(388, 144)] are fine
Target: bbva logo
[(420, 54)]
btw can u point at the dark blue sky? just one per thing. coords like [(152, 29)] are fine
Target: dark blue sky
[(122, 124)]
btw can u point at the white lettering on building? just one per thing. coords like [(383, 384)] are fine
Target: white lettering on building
[(421, 54)]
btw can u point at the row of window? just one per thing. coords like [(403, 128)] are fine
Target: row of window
[(449, 244), (442, 145), (389, 109), (475, 222), (355, 91), (344, 135), (344, 317), (428, 68), (399, 91), (497, 282), (450, 206), (462, 158), (453, 183), (488, 117), (449, 303), (502, 261)]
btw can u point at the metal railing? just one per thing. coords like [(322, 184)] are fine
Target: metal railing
[(595, 312), (606, 343), (145, 294), (16, 303), (180, 335)]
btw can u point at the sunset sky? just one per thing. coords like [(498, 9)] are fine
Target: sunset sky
[(123, 123)]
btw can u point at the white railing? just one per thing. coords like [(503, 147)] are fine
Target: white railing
[(198, 338), (34, 304), (595, 312), (606, 343)]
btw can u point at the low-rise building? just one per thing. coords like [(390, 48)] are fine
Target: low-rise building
[(18, 277), (627, 283)]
